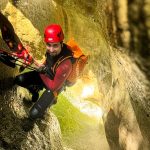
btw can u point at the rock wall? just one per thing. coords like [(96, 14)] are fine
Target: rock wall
[(123, 87), (46, 134), (128, 26)]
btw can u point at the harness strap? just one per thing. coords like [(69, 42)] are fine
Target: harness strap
[(59, 61)]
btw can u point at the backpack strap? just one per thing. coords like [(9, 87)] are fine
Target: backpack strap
[(59, 61)]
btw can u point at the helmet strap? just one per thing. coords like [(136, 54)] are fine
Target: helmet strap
[(61, 44)]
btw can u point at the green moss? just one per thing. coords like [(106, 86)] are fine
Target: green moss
[(72, 121)]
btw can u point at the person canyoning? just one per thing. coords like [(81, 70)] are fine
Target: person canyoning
[(51, 78), (60, 68)]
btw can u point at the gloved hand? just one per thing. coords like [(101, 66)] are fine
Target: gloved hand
[(42, 69), (45, 70)]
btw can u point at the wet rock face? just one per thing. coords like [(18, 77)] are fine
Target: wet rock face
[(96, 27), (129, 99), (132, 31), (46, 134), (128, 27)]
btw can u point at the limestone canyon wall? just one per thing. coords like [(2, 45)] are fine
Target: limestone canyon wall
[(115, 34)]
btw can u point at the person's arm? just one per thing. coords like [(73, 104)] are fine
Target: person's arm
[(8, 33), (38, 65), (61, 75)]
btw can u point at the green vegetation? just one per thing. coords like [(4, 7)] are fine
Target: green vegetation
[(72, 121), (79, 131)]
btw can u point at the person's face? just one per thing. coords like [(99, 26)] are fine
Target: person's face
[(53, 48)]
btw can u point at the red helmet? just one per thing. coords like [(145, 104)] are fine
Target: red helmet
[(53, 33)]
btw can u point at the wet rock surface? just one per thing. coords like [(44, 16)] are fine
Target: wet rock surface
[(99, 29)]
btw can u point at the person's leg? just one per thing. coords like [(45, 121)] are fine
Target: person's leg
[(38, 109), (32, 81), (46, 100), (28, 78)]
